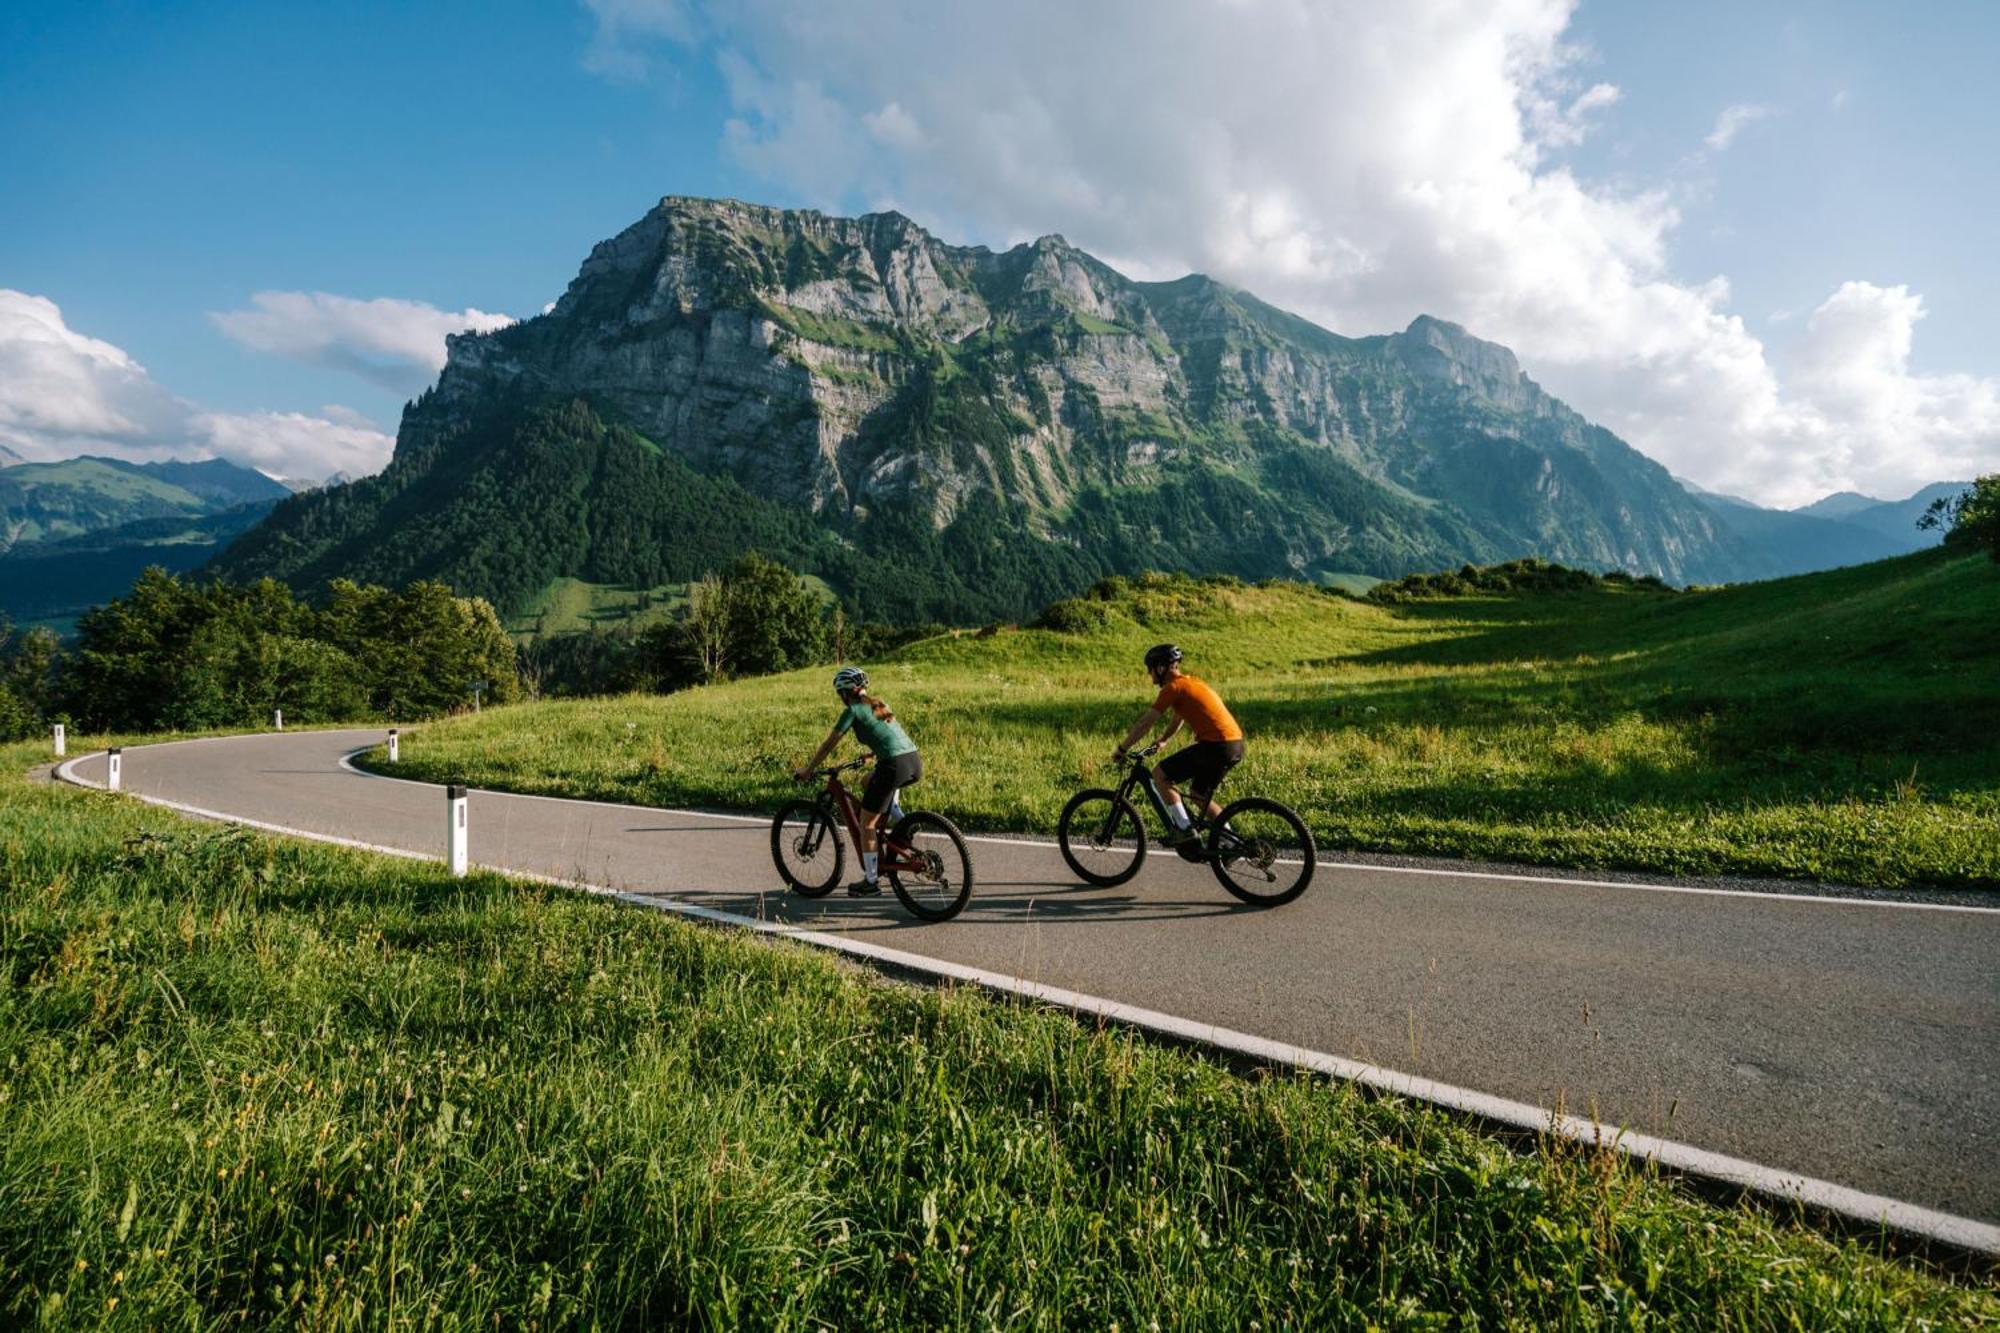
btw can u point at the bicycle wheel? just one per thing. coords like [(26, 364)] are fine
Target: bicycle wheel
[(1102, 837), (1262, 852), (938, 891), (806, 844)]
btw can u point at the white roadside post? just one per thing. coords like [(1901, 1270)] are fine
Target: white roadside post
[(455, 829), (392, 745), (114, 770), (62, 741), (277, 719)]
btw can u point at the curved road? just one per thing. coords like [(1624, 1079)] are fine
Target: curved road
[(1856, 1042)]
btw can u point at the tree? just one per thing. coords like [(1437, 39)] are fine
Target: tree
[(776, 620), (704, 627), (1970, 519)]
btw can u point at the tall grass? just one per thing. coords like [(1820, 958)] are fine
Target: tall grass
[(1840, 726), (251, 1081)]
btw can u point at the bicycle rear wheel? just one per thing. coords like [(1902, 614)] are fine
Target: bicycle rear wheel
[(1262, 852), (1101, 837), (939, 886), (806, 844)]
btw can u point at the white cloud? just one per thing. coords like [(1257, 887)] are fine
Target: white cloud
[(295, 445), (1357, 163), (617, 49), (64, 393), (1732, 122), (396, 345)]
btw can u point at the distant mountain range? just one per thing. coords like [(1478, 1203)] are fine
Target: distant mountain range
[(77, 532), (1843, 529)]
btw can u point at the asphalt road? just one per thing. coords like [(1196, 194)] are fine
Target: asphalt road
[(1855, 1042)]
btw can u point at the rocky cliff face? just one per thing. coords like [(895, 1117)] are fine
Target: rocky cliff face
[(839, 362), (858, 367)]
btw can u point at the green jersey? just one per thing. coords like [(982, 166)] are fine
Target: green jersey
[(886, 739)]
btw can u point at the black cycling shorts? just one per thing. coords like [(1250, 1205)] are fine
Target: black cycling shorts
[(890, 774), (1202, 766)]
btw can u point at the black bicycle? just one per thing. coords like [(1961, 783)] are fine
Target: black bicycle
[(924, 855), (1259, 849)]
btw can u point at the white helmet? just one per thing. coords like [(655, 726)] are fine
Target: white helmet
[(850, 678)]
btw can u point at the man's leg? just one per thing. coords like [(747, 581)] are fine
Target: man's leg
[(1170, 795)]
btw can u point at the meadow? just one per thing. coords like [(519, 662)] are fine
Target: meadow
[(258, 1081), (1841, 726)]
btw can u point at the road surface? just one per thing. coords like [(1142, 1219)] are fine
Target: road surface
[(1856, 1042)]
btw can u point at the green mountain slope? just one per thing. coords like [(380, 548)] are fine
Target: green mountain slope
[(1840, 725), (46, 502), (55, 581)]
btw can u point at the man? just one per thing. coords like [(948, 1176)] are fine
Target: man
[(1218, 741)]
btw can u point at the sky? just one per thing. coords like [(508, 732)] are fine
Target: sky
[(1753, 239)]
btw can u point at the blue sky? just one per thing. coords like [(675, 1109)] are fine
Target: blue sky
[(162, 165)]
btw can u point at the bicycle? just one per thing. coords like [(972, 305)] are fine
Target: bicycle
[(1260, 850), (924, 855)]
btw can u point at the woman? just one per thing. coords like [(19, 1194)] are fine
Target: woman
[(897, 763)]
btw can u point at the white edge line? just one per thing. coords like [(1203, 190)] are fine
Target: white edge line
[(1856, 1205), (347, 762)]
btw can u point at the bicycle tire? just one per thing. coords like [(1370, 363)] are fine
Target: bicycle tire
[(943, 897), (1301, 845), (795, 821), (1116, 807)]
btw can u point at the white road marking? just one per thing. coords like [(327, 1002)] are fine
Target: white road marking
[(1870, 1209)]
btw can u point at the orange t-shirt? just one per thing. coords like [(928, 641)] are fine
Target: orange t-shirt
[(1200, 707)]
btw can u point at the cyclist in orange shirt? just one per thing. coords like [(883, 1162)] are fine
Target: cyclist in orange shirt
[(1218, 741)]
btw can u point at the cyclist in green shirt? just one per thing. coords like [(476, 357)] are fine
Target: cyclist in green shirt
[(897, 764)]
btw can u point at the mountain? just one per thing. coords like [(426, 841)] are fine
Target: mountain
[(77, 532), (952, 431), (1845, 528), (43, 502), (8, 457), (1896, 519), (1841, 504), (59, 580)]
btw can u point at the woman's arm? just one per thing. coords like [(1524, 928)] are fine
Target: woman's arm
[(819, 755)]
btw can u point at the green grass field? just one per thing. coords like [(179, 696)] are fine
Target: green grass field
[(1842, 726), (254, 1081), (571, 606)]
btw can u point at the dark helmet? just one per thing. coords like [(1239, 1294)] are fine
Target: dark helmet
[(1161, 655)]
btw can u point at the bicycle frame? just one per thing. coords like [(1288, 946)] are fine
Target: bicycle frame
[(836, 799), (1140, 775)]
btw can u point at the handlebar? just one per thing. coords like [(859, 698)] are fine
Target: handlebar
[(862, 762), (1146, 753)]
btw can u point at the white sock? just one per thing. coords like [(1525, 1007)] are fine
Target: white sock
[(1178, 813), (868, 865)]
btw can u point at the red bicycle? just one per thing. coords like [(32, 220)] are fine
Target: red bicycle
[(924, 855)]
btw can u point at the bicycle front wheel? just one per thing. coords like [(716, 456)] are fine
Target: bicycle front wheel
[(806, 844), (938, 885), (1101, 837), (1262, 852)]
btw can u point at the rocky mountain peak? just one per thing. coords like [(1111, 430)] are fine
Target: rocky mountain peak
[(860, 367), (1437, 349)]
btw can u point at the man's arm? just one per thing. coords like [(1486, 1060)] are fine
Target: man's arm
[(1140, 728)]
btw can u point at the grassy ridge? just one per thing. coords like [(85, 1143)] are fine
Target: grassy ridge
[(1841, 725), (258, 1081)]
